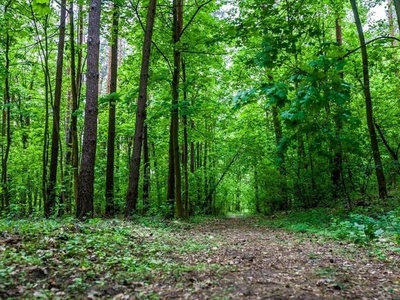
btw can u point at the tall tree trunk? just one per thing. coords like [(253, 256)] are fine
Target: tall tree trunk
[(48, 97), (6, 123), (49, 205), (185, 150), (76, 79), (134, 173), (112, 88), (85, 207), (368, 104), (337, 155), (281, 158), (177, 27)]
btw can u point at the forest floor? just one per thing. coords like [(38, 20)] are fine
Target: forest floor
[(233, 258)]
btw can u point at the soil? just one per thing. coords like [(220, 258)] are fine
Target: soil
[(261, 263)]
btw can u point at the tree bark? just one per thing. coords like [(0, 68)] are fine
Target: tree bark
[(112, 88), (134, 173), (6, 123), (55, 137), (146, 170), (76, 79), (177, 15), (337, 155), (85, 207), (368, 104), (185, 150)]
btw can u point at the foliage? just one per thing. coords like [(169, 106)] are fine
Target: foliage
[(380, 229), (90, 254)]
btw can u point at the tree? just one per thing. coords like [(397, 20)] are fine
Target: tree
[(55, 138), (85, 206), (177, 26), (6, 115), (368, 105), (112, 89), (133, 186)]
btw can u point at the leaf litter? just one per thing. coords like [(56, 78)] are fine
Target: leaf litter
[(229, 258)]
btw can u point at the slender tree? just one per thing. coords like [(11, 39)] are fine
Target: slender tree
[(85, 207), (112, 89), (133, 187), (6, 115), (368, 105), (146, 170), (55, 137), (177, 26)]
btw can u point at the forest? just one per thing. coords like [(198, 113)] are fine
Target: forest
[(187, 131)]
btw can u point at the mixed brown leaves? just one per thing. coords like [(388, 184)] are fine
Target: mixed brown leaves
[(221, 259)]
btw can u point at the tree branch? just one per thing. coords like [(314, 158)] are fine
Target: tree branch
[(135, 7), (199, 7), (370, 42)]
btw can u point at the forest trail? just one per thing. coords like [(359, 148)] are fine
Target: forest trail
[(254, 262), (233, 258)]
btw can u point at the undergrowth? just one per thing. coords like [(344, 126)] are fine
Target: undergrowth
[(370, 226), (57, 255)]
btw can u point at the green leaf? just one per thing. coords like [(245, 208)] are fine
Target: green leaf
[(41, 7)]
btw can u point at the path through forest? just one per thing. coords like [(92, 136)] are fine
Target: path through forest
[(232, 258), (261, 263)]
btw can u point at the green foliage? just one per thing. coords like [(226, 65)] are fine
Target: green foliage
[(90, 254), (41, 7), (277, 93), (359, 229), (382, 231)]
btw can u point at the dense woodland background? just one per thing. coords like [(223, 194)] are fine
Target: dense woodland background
[(180, 108)]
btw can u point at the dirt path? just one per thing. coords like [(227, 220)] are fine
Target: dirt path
[(250, 262)]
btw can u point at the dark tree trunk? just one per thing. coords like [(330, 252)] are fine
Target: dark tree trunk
[(337, 155), (112, 88), (134, 173), (281, 158), (171, 177), (368, 104), (6, 122), (49, 205), (176, 34), (85, 207), (76, 79), (185, 150)]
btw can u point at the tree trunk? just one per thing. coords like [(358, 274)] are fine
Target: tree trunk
[(49, 205), (177, 31), (112, 88), (368, 104), (185, 150), (337, 155), (85, 207), (146, 171), (48, 94), (134, 173), (76, 79), (171, 176), (6, 123)]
